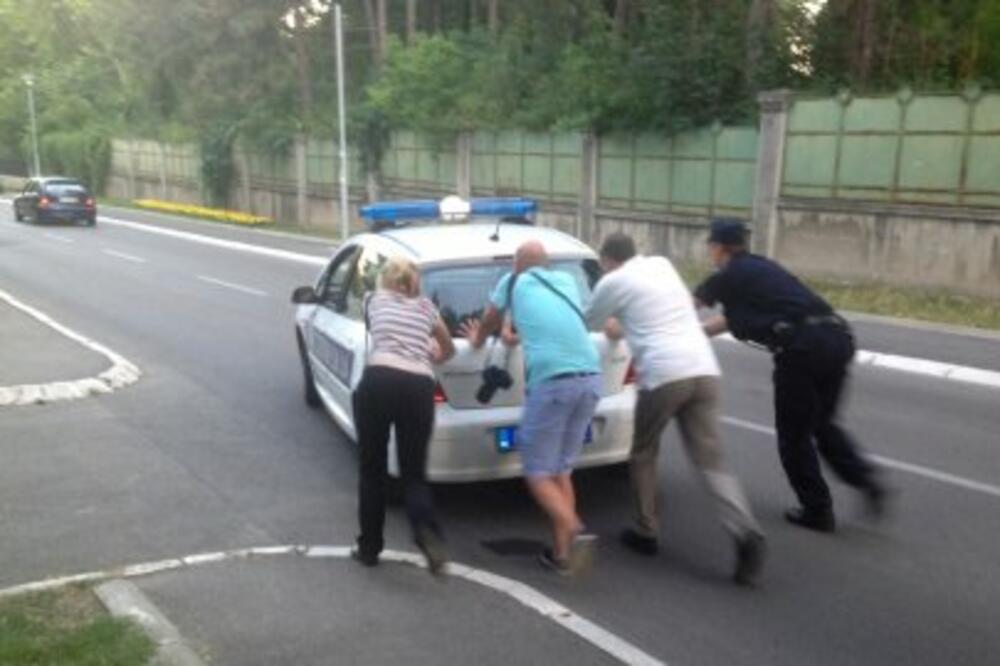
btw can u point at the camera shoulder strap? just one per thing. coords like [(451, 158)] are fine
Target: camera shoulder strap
[(561, 295)]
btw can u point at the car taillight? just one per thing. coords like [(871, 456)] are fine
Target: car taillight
[(630, 375), (89, 203), (439, 395), (44, 202)]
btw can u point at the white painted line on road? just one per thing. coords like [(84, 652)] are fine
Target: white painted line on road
[(57, 237), (919, 366), (220, 242), (600, 638), (231, 285), (121, 373), (121, 255), (902, 466)]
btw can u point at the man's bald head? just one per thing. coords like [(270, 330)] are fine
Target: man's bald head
[(529, 255)]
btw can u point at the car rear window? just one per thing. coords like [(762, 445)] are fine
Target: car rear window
[(67, 189), (461, 292)]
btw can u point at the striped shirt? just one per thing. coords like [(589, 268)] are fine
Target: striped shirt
[(400, 329)]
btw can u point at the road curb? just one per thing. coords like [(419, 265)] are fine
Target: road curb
[(124, 599), (598, 637), (121, 373)]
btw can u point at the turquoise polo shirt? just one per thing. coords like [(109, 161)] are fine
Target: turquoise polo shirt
[(553, 335)]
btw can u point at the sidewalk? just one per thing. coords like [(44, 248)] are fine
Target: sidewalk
[(315, 605), (295, 610)]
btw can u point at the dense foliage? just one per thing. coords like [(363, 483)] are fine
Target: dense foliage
[(262, 71)]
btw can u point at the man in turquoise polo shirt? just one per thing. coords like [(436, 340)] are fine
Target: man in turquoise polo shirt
[(564, 386)]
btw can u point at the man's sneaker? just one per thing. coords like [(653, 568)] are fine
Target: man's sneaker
[(367, 560), (819, 521), (431, 545), (550, 562), (640, 543), (581, 553), (750, 552)]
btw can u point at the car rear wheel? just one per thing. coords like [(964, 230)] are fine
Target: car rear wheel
[(17, 215), (310, 394)]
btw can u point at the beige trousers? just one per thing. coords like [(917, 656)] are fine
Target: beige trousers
[(694, 402)]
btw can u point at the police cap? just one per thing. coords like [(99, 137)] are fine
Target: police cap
[(727, 231)]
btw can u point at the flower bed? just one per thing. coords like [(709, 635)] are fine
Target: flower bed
[(220, 214)]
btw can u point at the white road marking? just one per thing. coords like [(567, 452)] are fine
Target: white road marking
[(232, 285), (919, 366), (121, 373), (57, 237), (220, 242), (900, 465), (121, 255), (600, 638)]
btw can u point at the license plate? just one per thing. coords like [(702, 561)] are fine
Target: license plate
[(506, 438)]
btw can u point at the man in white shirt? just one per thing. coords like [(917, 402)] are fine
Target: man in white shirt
[(645, 300)]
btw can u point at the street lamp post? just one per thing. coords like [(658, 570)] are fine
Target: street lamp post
[(338, 31), (29, 81)]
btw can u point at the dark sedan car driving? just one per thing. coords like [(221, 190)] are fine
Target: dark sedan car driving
[(55, 199)]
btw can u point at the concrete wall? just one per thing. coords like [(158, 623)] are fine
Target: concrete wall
[(948, 247)]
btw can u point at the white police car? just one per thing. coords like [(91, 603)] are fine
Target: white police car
[(462, 249)]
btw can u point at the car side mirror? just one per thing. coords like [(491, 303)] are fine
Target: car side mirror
[(305, 296)]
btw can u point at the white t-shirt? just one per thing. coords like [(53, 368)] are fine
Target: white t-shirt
[(661, 325)]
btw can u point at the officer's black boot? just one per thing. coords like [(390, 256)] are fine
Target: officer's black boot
[(819, 520)]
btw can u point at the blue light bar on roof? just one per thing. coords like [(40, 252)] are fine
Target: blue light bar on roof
[(392, 211), (398, 212), (503, 207)]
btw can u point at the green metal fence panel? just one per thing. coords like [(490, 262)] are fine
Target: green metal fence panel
[(815, 116), (702, 172), (927, 148), (543, 165), (415, 164)]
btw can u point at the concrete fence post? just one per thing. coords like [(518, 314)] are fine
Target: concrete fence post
[(243, 163), (130, 165), (301, 182), (774, 107), (463, 165), (163, 170), (585, 225)]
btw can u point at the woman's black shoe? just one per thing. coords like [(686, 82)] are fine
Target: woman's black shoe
[(820, 521)]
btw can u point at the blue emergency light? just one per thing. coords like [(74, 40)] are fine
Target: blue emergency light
[(399, 213)]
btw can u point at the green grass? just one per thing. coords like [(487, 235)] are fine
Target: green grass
[(67, 628), (931, 305)]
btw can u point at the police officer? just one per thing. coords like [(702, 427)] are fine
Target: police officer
[(812, 347)]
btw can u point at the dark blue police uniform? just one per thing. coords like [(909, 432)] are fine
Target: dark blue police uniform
[(812, 348)]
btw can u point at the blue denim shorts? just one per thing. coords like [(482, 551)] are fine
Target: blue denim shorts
[(557, 413)]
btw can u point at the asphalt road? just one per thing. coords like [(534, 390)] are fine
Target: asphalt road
[(214, 449)]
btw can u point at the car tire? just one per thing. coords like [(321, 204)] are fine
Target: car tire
[(17, 215), (310, 393)]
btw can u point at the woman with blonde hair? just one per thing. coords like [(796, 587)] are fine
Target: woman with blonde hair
[(396, 391)]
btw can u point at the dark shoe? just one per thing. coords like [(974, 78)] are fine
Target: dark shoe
[(639, 543), (367, 560), (750, 553), (550, 562), (431, 545), (820, 521)]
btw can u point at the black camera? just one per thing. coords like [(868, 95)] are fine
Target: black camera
[(494, 377)]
